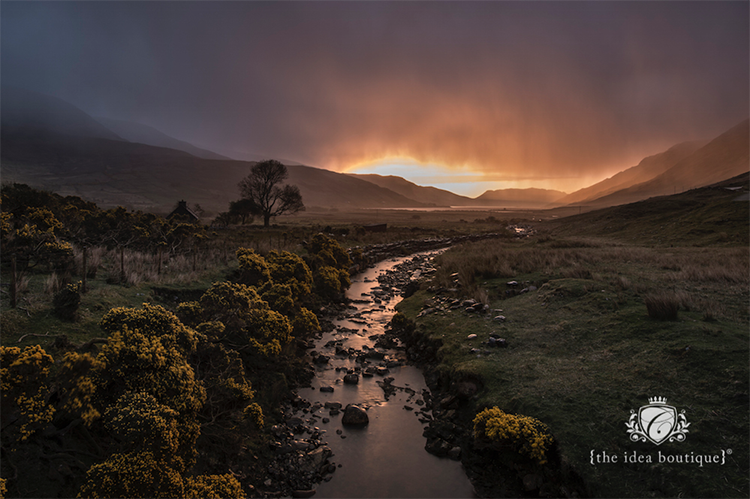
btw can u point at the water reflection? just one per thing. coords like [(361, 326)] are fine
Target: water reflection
[(386, 458)]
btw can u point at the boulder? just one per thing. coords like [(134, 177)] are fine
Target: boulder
[(354, 415), (351, 379)]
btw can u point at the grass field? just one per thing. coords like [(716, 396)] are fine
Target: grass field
[(583, 351)]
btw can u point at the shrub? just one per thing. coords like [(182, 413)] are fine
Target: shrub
[(66, 302), (325, 251), (331, 282), (305, 323), (525, 435), (279, 298), (290, 269), (253, 269)]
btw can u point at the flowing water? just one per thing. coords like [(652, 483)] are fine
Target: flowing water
[(385, 458)]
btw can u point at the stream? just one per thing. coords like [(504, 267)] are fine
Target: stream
[(387, 456)]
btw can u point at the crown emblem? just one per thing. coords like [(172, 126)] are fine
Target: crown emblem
[(657, 422)]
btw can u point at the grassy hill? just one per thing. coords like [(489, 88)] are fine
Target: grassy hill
[(717, 214)]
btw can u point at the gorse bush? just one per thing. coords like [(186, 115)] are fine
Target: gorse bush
[(526, 435), (253, 268), (24, 376)]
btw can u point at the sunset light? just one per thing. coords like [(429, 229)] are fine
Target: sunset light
[(374, 249)]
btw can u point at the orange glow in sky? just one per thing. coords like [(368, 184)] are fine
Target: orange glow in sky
[(466, 181)]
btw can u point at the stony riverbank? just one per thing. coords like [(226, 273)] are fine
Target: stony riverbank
[(450, 430)]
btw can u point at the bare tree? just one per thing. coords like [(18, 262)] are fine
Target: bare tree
[(261, 187)]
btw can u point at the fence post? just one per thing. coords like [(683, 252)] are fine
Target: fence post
[(85, 271), (13, 288)]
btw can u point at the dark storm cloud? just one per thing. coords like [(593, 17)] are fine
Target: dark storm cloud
[(549, 89)]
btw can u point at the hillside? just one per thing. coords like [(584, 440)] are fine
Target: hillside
[(422, 194), (28, 112), (716, 214), (139, 176), (724, 157), (647, 169), (143, 134), (519, 198)]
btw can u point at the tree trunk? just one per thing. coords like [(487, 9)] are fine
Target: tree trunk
[(266, 219)]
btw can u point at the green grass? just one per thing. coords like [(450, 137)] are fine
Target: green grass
[(34, 322), (583, 352), (708, 216)]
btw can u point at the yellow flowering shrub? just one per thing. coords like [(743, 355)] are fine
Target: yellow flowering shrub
[(305, 323), (23, 376), (290, 269), (254, 413), (526, 435), (213, 487), (330, 282), (253, 268), (279, 297), (140, 422), (327, 252), (153, 321), (133, 474)]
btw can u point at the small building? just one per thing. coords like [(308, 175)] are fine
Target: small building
[(183, 213)]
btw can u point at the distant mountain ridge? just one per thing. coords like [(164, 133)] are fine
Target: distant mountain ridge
[(511, 198), (431, 196), (144, 134), (519, 198), (51, 144), (648, 168), (33, 113), (724, 157)]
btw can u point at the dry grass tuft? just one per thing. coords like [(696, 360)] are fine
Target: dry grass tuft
[(662, 306)]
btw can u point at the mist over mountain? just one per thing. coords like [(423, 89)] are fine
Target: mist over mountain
[(51, 144), (144, 134), (423, 194), (34, 113), (519, 198), (647, 169), (724, 157)]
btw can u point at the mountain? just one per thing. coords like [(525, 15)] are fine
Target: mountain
[(324, 188), (647, 169), (711, 215), (24, 111), (144, 134), (726, 156), (430, 196), (519, 198), (149, 178), (51, 144)]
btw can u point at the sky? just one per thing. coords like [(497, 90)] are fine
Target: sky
[(462, 95)]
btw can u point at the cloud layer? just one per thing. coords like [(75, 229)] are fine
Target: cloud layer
[(512, 89)]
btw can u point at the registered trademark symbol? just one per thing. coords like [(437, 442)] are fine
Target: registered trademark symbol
[(729, 451)]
